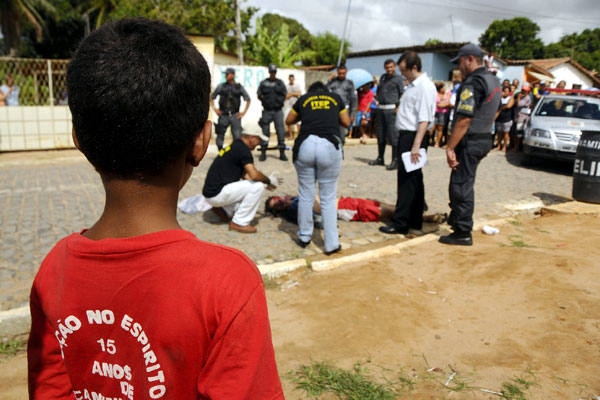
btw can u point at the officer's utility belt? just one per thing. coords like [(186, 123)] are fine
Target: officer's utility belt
[(405, 132), (386, 106), (479, 135)]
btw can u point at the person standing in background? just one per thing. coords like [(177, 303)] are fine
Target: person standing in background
[(293, 92), (9, 92), (271, 92), (230, 94), (389, 92), (345, 89)]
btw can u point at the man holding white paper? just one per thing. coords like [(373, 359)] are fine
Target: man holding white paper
[(417, 110)]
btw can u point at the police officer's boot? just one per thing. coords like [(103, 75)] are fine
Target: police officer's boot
[(282, 155), (263, 153), (394, 164)]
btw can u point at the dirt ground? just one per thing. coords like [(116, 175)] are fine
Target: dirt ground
[(522, 304)]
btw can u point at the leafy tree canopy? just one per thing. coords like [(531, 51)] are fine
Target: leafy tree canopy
[(514, 39)]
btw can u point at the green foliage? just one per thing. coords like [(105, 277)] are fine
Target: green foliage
[(431, 42), (514, 39), (17, 16), (327, 47), (272, 22), (202, 17), (267, 44), (273, 47), (583, 48)]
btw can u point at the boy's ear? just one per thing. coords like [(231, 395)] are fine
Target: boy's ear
[(75, 140), (201, 144)]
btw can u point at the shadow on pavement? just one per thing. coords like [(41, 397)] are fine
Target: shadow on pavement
[(550, 199), (540, 164)]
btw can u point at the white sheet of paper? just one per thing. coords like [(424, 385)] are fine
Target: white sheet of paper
[(408, 164)]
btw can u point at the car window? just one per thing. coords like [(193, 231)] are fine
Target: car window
[(571, 108)]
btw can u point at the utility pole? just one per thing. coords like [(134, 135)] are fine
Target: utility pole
[(344, 34), (238, 29)]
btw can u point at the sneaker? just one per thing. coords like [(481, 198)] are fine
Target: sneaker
[(241, 228), (336, 250), (301, 243), (457, 238)]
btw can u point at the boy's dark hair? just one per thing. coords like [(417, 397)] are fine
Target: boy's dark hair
[(388, 61), (139, 95), (411, 58)]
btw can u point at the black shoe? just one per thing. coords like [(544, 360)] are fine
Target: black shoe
[(283, 157), (393, 165), (377, 161), (301, 243), (458, 238), (392, 230), (337, 250), (262, 157)]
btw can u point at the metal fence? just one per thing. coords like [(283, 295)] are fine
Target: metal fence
[(41, 82)]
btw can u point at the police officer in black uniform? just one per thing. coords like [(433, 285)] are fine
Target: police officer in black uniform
[(230, 93), (271, 92), (477, 101), (389, 92)]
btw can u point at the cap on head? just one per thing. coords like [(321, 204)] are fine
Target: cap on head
[(257, 134), (468, 49), (272, 68), (229, 71)]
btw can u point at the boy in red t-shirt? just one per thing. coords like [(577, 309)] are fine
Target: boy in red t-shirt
[(135, 307)]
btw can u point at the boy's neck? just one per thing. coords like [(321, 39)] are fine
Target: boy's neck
[(133, 209)]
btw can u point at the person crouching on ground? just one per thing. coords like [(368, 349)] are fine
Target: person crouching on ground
[(317, 156), (135, 305), (233, 185)]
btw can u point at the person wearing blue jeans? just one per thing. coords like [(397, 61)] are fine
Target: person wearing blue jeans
[(318, 162), (317, 156)]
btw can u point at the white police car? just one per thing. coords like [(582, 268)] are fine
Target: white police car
[(555, 125)]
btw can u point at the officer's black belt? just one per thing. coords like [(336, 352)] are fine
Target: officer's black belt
[(479, 135), (403, 132)]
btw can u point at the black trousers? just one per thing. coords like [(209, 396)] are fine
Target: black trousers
[(410, 200), (469, 152)]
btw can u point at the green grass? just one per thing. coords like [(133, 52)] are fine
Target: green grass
[(323, 379), (515, 389), (320, 377), (11, 346)]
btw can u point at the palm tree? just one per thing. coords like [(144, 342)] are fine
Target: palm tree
[(99, 8), (16, 13)]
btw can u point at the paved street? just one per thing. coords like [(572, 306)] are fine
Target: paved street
[(47, 195)]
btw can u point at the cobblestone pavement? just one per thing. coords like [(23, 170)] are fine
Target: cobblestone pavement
[(48, 195)]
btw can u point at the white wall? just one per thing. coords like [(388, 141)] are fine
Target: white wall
[(35, 128), (571, 75)]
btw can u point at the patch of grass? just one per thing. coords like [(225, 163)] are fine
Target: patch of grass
[(517, 241), (321, 377), (515, 389), (515, 222), (12, 346)]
